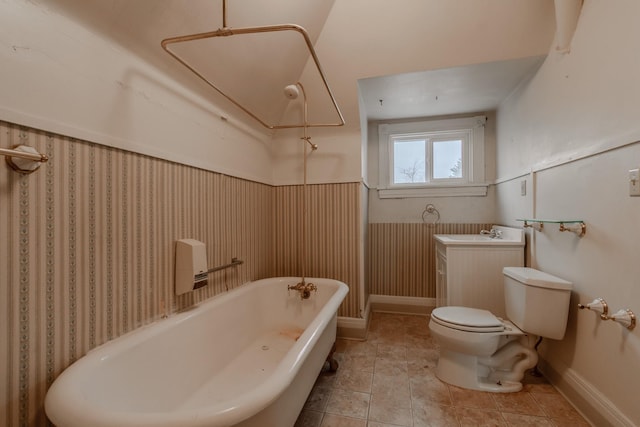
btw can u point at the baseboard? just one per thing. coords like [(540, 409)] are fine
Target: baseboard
[(403, 305), (590, 402), (355, 328)]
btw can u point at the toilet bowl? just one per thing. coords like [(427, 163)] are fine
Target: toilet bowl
[(480, 351)]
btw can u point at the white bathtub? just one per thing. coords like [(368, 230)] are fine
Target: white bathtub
[(248, 357)]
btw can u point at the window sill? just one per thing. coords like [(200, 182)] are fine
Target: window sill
[(469, 190)]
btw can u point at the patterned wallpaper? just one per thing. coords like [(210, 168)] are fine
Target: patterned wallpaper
[(87, 250), (401, 257)]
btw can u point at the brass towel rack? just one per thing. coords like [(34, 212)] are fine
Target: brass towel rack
[(23, 158)]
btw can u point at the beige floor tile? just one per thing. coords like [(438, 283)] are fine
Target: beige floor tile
[(554, 406), (392, 387), (349, 403), (392, 352), (474, 417), (569, 422), (434, 415), (389, 381), (382, 409), (429, 389), (309, 419), (520, 403), (326, 379), (358, 361), (331, 420), (424, 342), (521, 420), (341, 345), (318, 398), (354, 380), (389, 337), (471, 398), (390, 367), (420, 367), (360, 347), (377, 424), (542, 387)]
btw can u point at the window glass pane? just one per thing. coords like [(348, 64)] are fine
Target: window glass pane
[(409, 161), (447, 159)]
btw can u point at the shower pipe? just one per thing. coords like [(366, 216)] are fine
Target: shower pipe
[(304, 288), (227, 31)]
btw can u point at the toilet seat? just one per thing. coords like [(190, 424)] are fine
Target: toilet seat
[(467, 319)]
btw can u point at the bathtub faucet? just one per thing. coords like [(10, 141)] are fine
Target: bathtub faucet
[(303, 288)]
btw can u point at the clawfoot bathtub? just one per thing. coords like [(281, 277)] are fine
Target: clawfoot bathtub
[(248, 358)]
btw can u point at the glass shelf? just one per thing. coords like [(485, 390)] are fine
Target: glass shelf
[(576, 225)]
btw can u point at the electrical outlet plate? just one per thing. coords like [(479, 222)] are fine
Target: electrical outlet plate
[(634, 182)]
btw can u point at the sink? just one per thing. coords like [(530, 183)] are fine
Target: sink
[(469, 268), (510, 237), (468, 237)]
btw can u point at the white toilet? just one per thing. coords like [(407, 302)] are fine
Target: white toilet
[(480, 351)]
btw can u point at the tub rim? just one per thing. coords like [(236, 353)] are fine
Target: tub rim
[(64, 396)]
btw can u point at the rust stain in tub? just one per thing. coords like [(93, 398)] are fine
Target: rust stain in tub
[(293, 333)]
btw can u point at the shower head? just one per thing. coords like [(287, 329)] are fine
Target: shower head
[(291, 91)]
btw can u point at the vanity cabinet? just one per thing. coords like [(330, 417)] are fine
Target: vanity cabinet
[(470, 275)]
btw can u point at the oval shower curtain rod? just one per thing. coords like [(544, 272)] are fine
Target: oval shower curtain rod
[(227, 31)]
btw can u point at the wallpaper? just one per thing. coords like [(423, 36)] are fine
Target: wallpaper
[(87, 250)]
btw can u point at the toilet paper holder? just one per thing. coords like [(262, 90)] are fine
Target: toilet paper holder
[(599, 305), (625, 316)]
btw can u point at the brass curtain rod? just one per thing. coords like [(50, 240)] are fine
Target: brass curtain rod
[(226, 31)]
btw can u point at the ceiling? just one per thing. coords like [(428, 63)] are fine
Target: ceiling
[(256, 72), (253, 69), (457, 90)]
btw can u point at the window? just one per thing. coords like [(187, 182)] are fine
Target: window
[(432, 158), (429, 158)]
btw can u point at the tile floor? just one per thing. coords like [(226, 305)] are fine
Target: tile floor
[(389, 381)]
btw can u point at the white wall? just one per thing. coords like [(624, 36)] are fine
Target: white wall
[(570, 134), (61, 77), (480, 209), (361, 39)]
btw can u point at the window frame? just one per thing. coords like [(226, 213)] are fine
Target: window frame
[(430, 138), (471, 184)]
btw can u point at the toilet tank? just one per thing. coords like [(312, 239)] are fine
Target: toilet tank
[(536, 302)]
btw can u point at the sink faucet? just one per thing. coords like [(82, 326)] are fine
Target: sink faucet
[(493, 234)]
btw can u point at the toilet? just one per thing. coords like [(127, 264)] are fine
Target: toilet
[(480, 351)]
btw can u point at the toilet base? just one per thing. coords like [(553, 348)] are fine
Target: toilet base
[(462, 370)]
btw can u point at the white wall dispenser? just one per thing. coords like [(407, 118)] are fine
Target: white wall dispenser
[(191, 265)]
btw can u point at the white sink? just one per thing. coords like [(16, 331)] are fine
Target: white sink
[(509, 237)]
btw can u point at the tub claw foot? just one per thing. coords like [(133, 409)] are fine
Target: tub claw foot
[(331, 364)]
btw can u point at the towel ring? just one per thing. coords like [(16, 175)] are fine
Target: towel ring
[(431, 210)]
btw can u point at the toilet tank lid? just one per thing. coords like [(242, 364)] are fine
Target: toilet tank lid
[(533, 277)]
